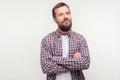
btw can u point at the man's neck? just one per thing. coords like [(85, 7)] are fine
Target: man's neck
[(63, 32)]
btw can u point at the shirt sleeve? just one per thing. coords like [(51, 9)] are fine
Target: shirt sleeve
[(77, 63), (47, 65)]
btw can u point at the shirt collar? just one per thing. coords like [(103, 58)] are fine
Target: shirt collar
[(59, 35)]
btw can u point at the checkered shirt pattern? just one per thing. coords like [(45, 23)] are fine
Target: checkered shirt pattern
[(51, 45)]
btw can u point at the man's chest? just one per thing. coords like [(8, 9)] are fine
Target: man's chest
[(57, 47)]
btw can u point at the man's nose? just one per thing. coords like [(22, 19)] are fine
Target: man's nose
[(65, 16)]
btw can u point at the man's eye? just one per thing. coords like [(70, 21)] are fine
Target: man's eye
[(67, 13), (60, 14)]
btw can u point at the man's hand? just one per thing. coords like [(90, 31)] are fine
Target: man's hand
[(77, 55), (53, 58)]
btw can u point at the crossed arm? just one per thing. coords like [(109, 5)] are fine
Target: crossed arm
[(55, 64), (47, 65)]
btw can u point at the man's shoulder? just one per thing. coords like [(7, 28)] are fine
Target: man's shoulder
[(49, 36), (77, 35)]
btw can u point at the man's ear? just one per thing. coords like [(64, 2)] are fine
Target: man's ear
[(54, 20)]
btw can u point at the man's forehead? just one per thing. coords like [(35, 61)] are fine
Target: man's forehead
[(62, 9)]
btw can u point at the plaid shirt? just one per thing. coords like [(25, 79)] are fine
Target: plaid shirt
[(51, 45)]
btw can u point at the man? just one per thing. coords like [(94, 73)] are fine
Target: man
[(64, 53)]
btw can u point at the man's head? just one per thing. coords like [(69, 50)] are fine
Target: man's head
[(62, 16)]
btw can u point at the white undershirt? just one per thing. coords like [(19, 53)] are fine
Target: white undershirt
[(65, 50)]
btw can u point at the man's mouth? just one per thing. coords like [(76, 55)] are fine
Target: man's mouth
[(66, 21)]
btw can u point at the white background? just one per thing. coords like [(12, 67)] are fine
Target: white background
[(23, 23)]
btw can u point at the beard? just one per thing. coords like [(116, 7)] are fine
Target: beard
[(65, 28)]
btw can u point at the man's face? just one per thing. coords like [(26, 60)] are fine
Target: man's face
[(63, 18)]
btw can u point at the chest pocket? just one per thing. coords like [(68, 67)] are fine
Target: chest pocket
[(73, 46), (57, 48)]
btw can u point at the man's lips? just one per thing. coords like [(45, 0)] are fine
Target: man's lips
[(66, 21)]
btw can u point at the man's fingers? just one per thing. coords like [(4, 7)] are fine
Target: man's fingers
[(77, 55)]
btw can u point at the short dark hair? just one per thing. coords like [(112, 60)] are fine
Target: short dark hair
[(57, 6)]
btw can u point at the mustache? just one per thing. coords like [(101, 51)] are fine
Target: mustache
[(66, 20)]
